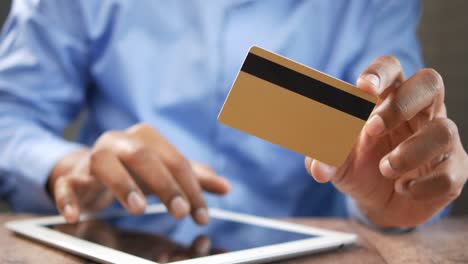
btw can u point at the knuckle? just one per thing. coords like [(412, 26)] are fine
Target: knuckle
[(111, 141), (85, 182), (137, 153), (96, 156), (118, 185), (208, 169), (167, 189), (382, 63), (164, 186), (448, 131), (400, 109), (139, 128), (176, 163), (108, 137), (432, 79), (450, 185), (389, 59), (375, 68), (119, 190), (113, 182), (454, 193), (398, 160)]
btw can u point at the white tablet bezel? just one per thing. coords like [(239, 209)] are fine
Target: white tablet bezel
[(36, 229)]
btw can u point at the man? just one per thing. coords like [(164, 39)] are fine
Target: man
[(153, 76)]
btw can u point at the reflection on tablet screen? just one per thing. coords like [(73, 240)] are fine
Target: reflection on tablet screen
[(160, 238)]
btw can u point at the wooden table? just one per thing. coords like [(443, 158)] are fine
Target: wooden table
[(443, 242)]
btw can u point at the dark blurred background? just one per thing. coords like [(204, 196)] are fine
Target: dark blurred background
[(444, 38)]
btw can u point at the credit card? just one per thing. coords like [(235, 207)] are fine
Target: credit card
[(296, 107)]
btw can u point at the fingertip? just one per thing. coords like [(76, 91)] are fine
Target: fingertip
[(220, 186), (136, 203), (201, 216), (369, 83), (226, 186), (386, 168), (308, 163), (70, 213), (375, 126), (322, 172), (214, 183), (179, 207)]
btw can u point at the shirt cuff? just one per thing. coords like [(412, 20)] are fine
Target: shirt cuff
[(356, 214), (32, 166)]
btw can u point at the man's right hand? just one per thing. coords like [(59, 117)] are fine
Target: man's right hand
[(127, 165)]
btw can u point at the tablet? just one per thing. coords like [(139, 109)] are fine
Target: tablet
[(156, 237)]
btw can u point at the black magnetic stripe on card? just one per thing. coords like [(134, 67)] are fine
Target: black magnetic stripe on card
[(307, 86)]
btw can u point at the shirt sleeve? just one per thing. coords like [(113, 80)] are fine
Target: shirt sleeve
[(393, 32), (355, 213), (43, 59)]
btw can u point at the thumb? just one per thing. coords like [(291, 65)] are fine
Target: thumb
[(320, 171)]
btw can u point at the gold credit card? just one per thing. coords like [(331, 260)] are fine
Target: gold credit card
[(296, 107)]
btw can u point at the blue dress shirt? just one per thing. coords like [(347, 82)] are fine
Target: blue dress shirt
[(171, 64)]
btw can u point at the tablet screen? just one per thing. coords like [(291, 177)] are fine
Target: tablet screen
[(160, 238)]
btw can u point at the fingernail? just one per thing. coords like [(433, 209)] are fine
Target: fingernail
[(136, 202), (69, 212), (374, 80), (322, 172), (310, 167), (399, 188), (179, 207), (386, 169), (329, 170), (202, 216), (308, 163), (375, 126)]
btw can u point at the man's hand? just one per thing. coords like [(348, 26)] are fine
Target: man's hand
[(126, 165), (408, 162)]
